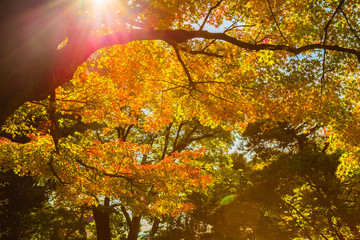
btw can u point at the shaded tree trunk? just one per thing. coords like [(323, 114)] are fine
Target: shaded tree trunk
[(154, 228), (102, 220), (134, 228), (133, 223)]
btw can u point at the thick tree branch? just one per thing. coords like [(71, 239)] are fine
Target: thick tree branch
[(66, 60), (75, 52), (123, 132), (183, 35), (53, 120), (127, 215), (54, 133)]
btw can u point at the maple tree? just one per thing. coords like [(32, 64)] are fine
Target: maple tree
[(155, 65), (27, 214), (123, 146), (324, 30), (262, 61), (265, 31)]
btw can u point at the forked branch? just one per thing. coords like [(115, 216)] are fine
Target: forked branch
[(186, 70), (72, 56)]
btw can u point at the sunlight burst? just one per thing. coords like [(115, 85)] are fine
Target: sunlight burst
[(104, 11), (104, 6)]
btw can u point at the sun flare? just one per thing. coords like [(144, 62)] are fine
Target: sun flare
[(104, 6)]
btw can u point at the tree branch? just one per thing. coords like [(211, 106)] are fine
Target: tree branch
[(62, 64), (54, 172), (348, 22), (167, 130), (128, 177), (183, 36), (202, 52), (191, 82), (128, 131), (53, 120), (74, 54), (276, 22), (209, 13), (127, 215), (305, 218), (338, 8), (177, 135)]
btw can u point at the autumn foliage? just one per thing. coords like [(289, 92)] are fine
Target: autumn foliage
[(136, 104)]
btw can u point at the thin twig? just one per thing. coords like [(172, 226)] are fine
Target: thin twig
[(208, 45), (348, 22), (305, 218), (261, 40), (128, 178), (173, 88), (276, 22), (53, 170), (338, 8), (234, 26), (208, 14), (213, 95), (191, 82), (202, 52)]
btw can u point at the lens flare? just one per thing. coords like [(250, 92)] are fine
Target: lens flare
[(227, 200)]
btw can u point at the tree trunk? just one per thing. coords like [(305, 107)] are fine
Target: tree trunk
[(154, 228), (133, 223), (102, 220), (134, 228)]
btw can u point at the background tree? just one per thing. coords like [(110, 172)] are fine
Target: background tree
[(26, 213), (296, 186), (209, 217)]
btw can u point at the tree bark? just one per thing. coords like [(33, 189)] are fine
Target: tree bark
[(102, 220), (134, 228), (154, 228), (133, 223)]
